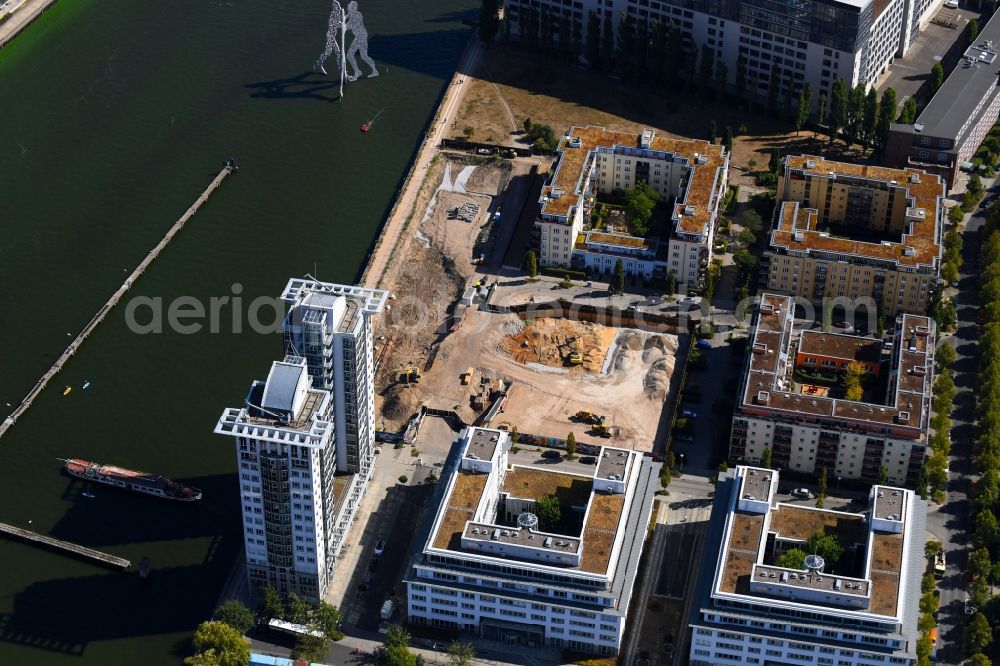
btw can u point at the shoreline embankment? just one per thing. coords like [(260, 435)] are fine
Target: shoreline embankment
[(388, 244), (20, 17)]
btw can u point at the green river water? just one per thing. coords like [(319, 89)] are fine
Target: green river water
[(114, 116)]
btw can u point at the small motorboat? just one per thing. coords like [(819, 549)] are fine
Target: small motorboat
[(366, 126), (86, 385), (88, 494), (68, 389)]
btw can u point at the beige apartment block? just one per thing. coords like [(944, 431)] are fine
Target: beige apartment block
[(692, 174), (856, 231)]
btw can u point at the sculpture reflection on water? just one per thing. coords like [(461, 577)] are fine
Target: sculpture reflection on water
[(336, 43)]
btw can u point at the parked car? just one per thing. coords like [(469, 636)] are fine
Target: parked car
[(969, 608), (380, 546), (588, 460), (551, 455), (951, 4), (704, 344), (802, 493), (689, 413)]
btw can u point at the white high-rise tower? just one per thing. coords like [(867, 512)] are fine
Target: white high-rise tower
[(329, 325), (305, 438)]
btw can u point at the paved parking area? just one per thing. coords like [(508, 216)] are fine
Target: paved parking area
[(934, 43)]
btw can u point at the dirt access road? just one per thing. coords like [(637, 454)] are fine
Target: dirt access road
[(402, 211)]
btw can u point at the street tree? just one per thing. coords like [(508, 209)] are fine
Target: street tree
[(593, 39), (909, 113), (225, 643), (461, 654), (327, 618), (883, 475), (856, 113), (765, 458), (978, 633), (571, 444), (870, 118), (617, 285), (805, 104), (298, 609), (272, 606), (945, 355), (937, 77), (838, 108), (972, 31), (235, 613), (886, 116), (821, 110), (532, 264)]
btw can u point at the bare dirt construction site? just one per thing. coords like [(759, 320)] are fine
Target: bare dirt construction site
[(545, 393), (431, 268)]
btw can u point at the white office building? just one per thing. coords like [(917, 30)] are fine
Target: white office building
[(860, 610), (816, 41), (490, 566)]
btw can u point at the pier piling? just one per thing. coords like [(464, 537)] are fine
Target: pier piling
[(229, 167)]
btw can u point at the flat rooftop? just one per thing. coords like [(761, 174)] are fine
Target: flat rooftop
[(482, 445), (757, 484), (622, 240), (301, 422), (890, 503), (706, 161), (918, 246), (613, 463), (767, 388), (752, 538), (840, 346), (966, 94), (468, 512), (371, 300)]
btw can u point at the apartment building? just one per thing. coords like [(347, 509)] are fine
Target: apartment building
[(954, 123), (815, 42), (592, 160), (330, 326), (488, 566), (598, 252), (806, 427), (857, 232), (858, 611), (284, 448), (304, 438)]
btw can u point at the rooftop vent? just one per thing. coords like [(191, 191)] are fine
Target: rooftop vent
[(766, 308), (689, 210), (903, 417), (574, 142), (702, 159), (918, 127), (759, 348), (919, 370), (810, 164), (799, 236), (923, 331), (762, 397), (909, 251), (555, 193), (914, 177)]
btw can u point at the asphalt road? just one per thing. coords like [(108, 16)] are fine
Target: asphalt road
[(951, 523)]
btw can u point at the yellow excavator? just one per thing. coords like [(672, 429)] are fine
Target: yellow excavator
[(601, 429), (410, 375), (574, 357)]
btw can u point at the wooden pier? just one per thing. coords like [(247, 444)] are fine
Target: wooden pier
[(229, 168), (64, 546)]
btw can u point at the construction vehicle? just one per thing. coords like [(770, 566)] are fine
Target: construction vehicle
[(601, 429), (410, 375), (584, 415), (573, 355)]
